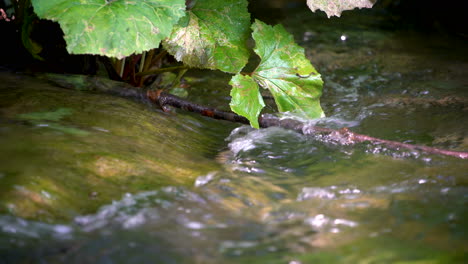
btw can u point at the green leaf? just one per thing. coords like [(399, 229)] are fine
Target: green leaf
[(114, 28), (292, 80), (335, 7), (246, 99), (212, 36)]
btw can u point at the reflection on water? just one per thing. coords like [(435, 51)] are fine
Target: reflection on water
[(275, 196)]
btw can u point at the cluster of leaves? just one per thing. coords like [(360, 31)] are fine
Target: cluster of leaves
[(207, 34)]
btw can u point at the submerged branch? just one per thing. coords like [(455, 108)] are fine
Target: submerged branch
[(343, 136), (162, 99), (165, 99)]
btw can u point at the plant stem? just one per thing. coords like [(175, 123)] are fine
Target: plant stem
[(159, 57), (148, 61), (176, 82), (142, 62), (122, 67), (161, 70)]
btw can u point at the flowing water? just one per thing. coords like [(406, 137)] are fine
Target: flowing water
[(89, 178)]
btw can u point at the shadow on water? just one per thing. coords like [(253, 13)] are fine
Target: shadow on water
[(113, 181)]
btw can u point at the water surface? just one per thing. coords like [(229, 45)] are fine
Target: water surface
[(89, 178)]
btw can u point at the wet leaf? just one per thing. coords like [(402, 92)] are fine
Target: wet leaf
[(212, 36), (286, 72), (246, 98), (114, 28), (335, 7)]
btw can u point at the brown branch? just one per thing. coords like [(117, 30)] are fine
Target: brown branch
[(343, 136), (163, 99)]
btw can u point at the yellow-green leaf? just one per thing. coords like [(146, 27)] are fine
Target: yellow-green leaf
[(212, 36), (284, 70), (246, 99)]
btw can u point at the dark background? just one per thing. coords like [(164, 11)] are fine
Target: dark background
[(435, 16)]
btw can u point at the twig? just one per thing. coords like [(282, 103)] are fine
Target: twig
[(165, 99)]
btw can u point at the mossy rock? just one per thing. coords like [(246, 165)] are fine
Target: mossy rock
[(67, 152)]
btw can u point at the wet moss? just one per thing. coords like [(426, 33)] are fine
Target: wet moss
[(68, 152)]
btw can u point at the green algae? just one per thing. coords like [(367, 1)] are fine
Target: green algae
[(68, 152), (52, 116)]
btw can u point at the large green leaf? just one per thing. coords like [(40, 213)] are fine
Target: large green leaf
[(292, 80), (335, 7), (114, 28), (246, 99), (212, 36), (286, 72)]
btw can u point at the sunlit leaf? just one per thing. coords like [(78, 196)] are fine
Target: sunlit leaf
[(286, 72), (335, 7), (246, 98), (212, 36), (114, 28)]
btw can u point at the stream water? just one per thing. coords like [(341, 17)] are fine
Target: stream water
[(90, 178)]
